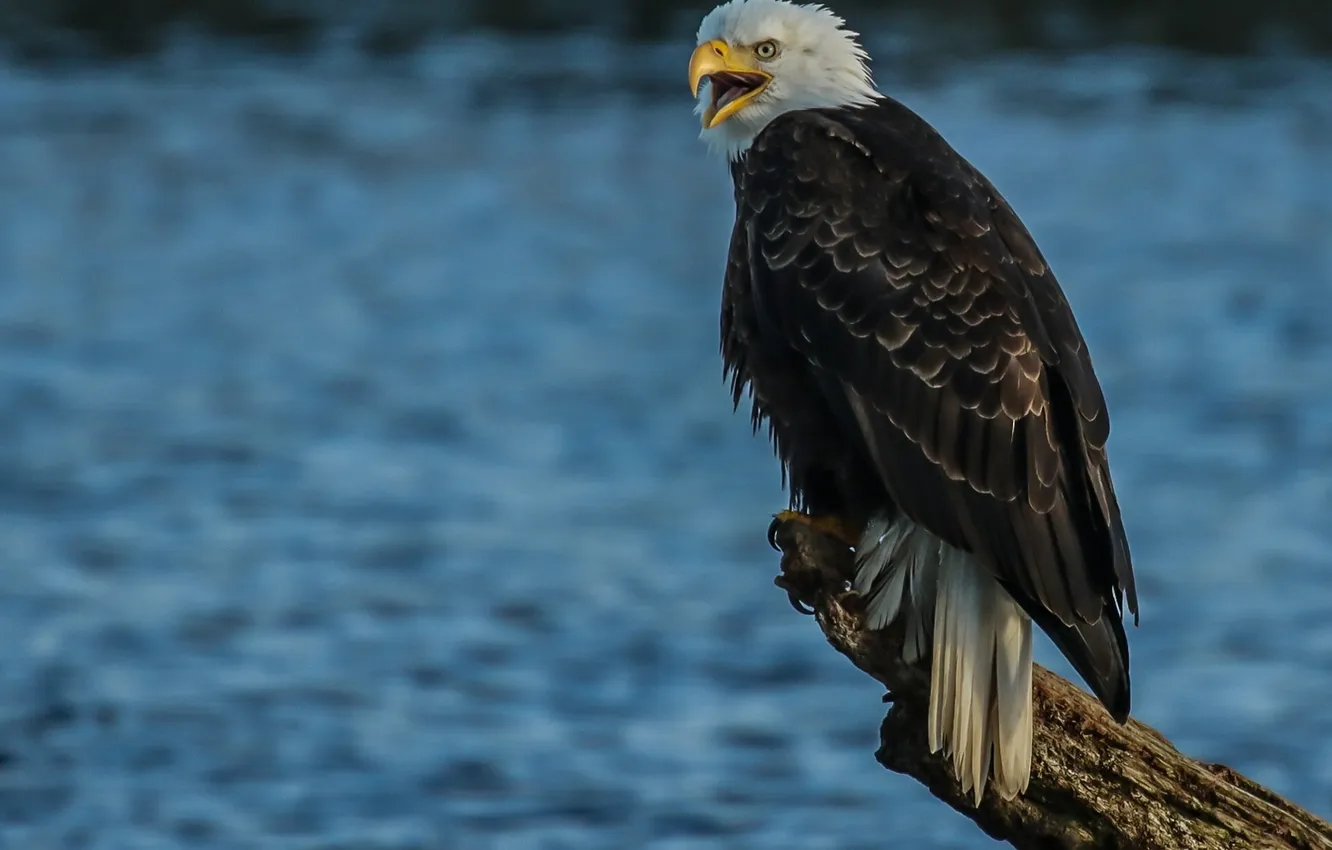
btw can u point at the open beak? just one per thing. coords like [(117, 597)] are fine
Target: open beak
[(733, 81)]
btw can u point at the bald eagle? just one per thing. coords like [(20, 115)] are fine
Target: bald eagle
[(926, 387)]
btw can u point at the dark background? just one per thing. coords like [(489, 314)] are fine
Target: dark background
[(367, 477), (46, 27)]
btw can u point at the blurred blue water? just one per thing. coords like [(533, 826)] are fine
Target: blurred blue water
[(367, 479)]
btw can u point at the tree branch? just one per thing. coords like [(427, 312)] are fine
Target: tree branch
[(1094, 783)]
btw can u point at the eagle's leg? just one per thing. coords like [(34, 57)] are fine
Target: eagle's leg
[(833, 526)]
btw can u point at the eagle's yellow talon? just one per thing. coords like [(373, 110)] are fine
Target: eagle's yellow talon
[(833, 526)]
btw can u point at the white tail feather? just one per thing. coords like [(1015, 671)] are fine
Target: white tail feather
[(980, 677), (1012, 697)]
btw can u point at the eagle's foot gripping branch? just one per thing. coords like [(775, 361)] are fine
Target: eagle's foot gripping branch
[(803, 588)]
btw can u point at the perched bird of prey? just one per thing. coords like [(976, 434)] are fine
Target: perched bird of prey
[(925, 384)]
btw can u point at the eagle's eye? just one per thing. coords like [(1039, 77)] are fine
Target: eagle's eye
[(766, 49)]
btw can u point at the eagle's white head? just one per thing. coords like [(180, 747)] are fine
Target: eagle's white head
[(757, 59)]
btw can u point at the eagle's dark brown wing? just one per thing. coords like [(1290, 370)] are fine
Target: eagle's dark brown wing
[(907, 283)]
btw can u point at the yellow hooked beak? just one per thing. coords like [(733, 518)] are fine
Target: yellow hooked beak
[(735, 79)]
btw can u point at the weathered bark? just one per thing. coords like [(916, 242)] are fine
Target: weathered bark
[(1094, 783)]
